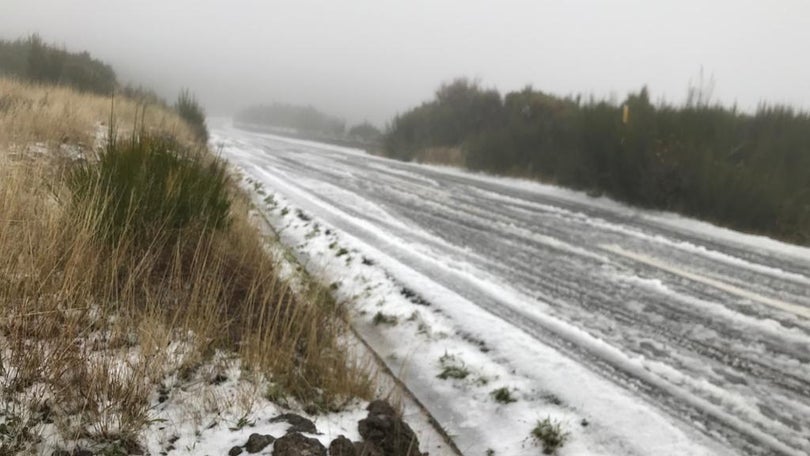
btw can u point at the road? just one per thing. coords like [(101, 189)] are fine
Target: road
[(721, 319)]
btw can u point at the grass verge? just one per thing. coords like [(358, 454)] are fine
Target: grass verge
[(132, 263)]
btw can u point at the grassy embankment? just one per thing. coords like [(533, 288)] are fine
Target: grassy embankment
[(128, 259), (750, 172)]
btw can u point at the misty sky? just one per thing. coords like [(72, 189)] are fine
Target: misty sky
[(369, 59)]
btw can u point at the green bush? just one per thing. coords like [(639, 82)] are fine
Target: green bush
[(150, 189), (193, 113), (747, 171), (461, 108)]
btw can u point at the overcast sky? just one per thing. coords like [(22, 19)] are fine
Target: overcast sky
[(369, 59)]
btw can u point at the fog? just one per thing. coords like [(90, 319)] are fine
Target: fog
[(369, 59)]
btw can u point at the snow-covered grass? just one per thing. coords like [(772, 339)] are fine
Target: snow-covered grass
[(222, 404), (37, 113), (96, 329), (417, 338)]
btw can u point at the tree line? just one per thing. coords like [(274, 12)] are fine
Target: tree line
[(301, 118), (32, 59), (749, 171)]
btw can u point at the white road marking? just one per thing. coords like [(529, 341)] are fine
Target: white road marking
[(776, 303)]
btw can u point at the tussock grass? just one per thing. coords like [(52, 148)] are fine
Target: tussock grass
[(384, 319), (550, 435), (35, 113), (114, 277), (153, 187), (452, 368), (503, 395)]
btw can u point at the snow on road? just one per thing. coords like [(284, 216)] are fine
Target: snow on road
[(642, 333)]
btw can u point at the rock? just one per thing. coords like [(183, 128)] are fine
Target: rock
[(584, 422), (298, 422), (380, 407), (366, 449), (257, 442), (342, 446), (385, 429), (296, 444), (82, 452), (235, 451)]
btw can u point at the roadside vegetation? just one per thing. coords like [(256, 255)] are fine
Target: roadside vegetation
[(503, 395), (34, 60), (193, 113), (452, 368), (550, 435), (748, 171), (128, 258)]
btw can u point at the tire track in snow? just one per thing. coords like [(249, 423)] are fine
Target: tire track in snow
[(740, 349)]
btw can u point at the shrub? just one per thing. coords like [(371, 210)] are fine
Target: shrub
[(365, 132), (748, 171), (503, 395), (152, 188), (550, 434), (461, 108), (193, 113)]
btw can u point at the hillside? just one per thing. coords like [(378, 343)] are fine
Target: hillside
[(34, 60), (143, 310)]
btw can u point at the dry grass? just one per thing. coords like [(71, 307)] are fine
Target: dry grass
[(33, 113), (450, 156), (89, 327)]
